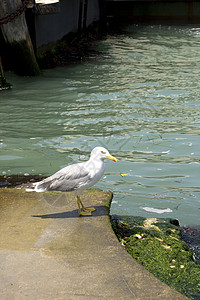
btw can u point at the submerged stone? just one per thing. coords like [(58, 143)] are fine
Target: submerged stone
[(191, 235), (11, 181), (157, 245)]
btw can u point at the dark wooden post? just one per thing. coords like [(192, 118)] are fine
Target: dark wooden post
[(103, 16), (85, 15), (80, 16), (17, 38)]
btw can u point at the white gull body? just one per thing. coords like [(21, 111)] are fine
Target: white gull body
[(77, 177)]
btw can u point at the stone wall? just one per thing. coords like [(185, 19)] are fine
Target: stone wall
[(51, 27)]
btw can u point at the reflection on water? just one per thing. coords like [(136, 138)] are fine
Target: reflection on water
[(139, 98)]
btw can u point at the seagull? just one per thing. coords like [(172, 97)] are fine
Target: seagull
[(77, 177)]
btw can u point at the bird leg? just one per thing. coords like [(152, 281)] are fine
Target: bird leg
[(86, 208), (86, 211)]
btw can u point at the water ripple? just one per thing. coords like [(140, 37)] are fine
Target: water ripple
[(140, 99)]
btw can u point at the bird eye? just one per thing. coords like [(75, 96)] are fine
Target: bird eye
[(103, 152)]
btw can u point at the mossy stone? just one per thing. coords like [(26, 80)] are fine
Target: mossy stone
[(157, 245)]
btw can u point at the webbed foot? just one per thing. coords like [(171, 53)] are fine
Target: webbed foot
[(89, 209), (85, 213)]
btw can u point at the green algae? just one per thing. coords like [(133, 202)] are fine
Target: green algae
[(157, 245), (22, 58), (4, 85)]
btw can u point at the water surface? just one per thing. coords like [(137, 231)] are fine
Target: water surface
[(140, 99)]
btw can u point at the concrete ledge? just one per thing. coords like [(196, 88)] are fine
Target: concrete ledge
[(154, 10), (48, 252)]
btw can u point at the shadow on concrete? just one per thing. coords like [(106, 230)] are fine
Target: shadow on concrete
[(100, 211)]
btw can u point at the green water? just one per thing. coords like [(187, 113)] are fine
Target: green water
[(140, 98)]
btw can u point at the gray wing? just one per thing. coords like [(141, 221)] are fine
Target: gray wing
[(67, 179)]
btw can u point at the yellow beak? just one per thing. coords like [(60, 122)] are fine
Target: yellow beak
[(112, 158)]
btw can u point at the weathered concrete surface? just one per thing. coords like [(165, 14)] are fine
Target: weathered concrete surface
[(48, 252)]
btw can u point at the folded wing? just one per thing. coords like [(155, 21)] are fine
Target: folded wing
[(67, 179)]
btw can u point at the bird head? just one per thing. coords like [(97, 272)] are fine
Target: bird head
[(102, 153)]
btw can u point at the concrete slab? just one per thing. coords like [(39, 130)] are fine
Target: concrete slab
[(48, 252)]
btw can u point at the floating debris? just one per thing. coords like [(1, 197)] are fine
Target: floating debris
[(157, 210)]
